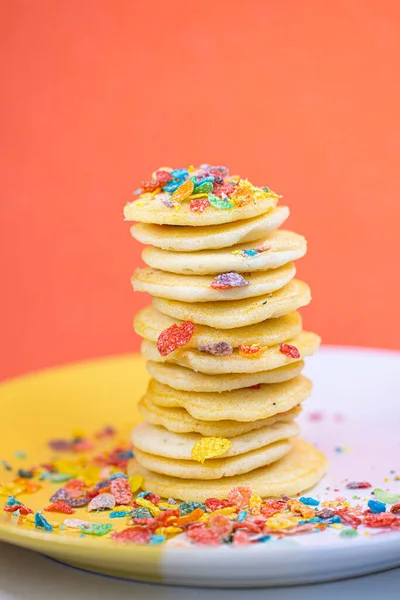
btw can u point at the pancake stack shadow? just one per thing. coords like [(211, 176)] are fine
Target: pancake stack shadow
[(223, 339)]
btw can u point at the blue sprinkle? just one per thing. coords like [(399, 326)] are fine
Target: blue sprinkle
[(156, 539), (249, 252), (117, 476), (172, 186), (264, 538), (241, 515), (143, 494), (309, 501), (41, 522), (128, 454), (118, 514), (339, 450), (179, 173), (376, 507), (335, 519), (313, 520), (45, 475), (138, 191), (266, 189), (12, 501)]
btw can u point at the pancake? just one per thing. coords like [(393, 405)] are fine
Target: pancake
[(283, 247), (197, 288), (296, 472), (185, 239), (158, 440), (180, 421), (215, 468), (239, 313), (271, 358), (150, 209), (181, 378), (238, 405), (149, 323)]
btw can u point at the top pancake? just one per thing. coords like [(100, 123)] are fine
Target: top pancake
[(149, 208), (271, 251), (187, 239)]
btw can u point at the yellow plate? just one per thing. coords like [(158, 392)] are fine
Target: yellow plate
[(52, 404)]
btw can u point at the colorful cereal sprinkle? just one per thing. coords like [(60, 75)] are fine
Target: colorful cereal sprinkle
[(174, 337), (143, 518), (225, 281), (210, 447)]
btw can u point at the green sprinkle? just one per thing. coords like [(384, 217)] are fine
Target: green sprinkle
[(386, 497), (20, 454), (266, 302), (141, 513), (348, 533), (185, 508), (96, 528), (60, 477), (218, 203)]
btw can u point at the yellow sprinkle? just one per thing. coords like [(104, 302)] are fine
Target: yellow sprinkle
[(78, 433), (155, 511), (194, 196), (336, 525), (397, 477), (30, 518), (255, 500), (367, 533), (346, 503), (191, 169), (168, 530), (229, 511), (167, 506), (183, 191), (135, 482), (386, 479), (281, 522), (210, 447), (11, 488)]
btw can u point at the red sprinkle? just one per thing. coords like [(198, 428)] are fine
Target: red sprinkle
[(136, 535), (24, 510), (163, 177), (121, 490), (154, 498), (174, 337), (382, 520), (226, 188), (240, 496), (61, 507), (199, 205), (395, 509), (150, 186), (241, 538), (348, 518), (215, 504), (206, 537), (358, 485), (289, 350)]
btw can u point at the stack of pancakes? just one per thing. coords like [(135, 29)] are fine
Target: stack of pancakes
[(218, 260)]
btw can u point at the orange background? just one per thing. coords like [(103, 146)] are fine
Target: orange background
[(300, 96)]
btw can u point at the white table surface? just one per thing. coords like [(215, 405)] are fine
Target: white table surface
[(25, 574)]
